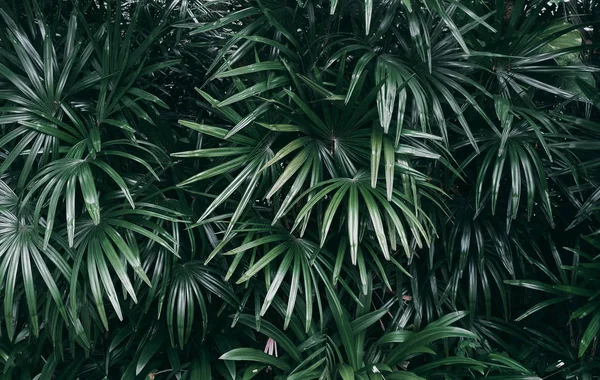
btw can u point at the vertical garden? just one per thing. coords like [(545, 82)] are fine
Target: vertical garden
[(310, 189)]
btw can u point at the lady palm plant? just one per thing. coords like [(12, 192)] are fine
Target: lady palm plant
[(314, 189), (85, 222)]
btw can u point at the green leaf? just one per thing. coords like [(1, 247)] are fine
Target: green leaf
[(509, 363), (566, 39), (353, 215), (346, 372), (149, 350), (363, 322), (250, 354), (375, 220), (208, 26), (422, 338), (331, 211), (363, 61), (376, 144), (88, 190), (534, 285), (252, 68), (274, 333), (368, 15)]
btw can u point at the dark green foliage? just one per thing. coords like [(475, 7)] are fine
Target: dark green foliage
[(377, 189)]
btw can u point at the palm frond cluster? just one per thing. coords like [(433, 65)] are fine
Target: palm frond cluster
[(278, 189)]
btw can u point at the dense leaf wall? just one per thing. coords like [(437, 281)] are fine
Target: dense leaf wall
[(342, 189)]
